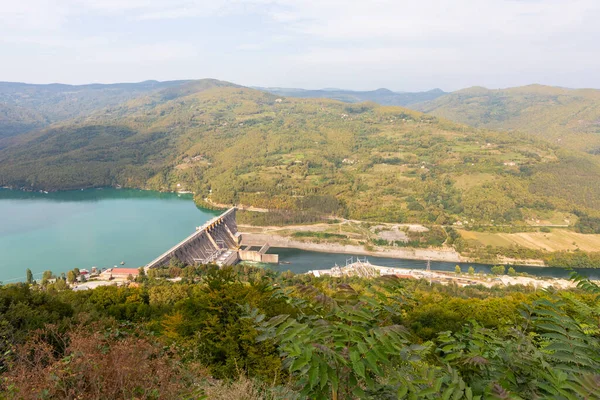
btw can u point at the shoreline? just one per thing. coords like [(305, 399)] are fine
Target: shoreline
[(254, 239), (407, 253), (368, 270)]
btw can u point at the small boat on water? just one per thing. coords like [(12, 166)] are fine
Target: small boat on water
[(122, 262), (285, 262)]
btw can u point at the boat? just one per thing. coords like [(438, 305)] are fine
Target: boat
[(122, 262)]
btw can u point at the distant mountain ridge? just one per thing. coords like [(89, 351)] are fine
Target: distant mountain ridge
[(380, 96), (566, 117), (25, 107)]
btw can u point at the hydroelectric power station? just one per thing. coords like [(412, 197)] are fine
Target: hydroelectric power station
[(216, 242)]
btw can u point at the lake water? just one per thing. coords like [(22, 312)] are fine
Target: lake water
[(98, 227), (102, 227)]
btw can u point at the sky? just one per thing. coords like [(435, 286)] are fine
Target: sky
[(361, 45)]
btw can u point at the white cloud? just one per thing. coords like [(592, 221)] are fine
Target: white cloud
[(389, 19), (438, 42), (139, 55), (250, 46)]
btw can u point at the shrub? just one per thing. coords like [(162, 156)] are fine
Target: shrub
[(96, 366), (498, 270)]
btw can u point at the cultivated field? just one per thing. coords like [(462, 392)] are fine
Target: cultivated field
[(556, 240)]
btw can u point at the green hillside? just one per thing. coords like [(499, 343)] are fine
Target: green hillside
[(25, 107), (566, 117), (15, 120), (380, 96), (364, 161)]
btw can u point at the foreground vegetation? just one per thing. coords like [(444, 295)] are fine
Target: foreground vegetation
[(251, 333)]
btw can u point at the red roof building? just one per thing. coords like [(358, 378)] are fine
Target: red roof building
[(124, 272)]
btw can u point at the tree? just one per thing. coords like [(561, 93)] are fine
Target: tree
[(457, 269), (175, 271), (153, 273), (71, 277), (46, 276), (60, 284), (343, 353), (189, 272), (511, 271), (29, 276), (471, 270), (498, 270), (141, 277)]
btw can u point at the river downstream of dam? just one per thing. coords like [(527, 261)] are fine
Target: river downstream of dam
[(300, 261)]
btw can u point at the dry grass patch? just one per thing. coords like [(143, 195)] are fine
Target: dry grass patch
[(246, 389), (556, 240), (468, 181)]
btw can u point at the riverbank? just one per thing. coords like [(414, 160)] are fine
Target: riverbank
[(367, 270), (221, 206), (448, 255), (408, 241), (354, 244)]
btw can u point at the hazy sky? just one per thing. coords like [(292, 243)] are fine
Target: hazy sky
[(401, 45)]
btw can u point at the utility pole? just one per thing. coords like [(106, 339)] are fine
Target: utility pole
[(428, 269)]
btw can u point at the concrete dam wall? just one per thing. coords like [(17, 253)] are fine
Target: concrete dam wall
[(216, 242)]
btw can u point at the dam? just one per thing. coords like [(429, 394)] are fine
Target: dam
[(216, 242)]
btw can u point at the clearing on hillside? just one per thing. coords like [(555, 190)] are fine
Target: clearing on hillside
[(556, 240)]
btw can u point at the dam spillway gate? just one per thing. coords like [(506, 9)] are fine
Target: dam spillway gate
[(216, 242)]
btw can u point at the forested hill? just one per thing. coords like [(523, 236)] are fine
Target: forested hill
[(24, 107), (365, 161), (566, 117), (381, 96)]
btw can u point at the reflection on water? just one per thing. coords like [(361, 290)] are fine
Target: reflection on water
[(99, 194)]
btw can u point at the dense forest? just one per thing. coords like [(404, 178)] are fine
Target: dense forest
[(247, 333), (235, 145)]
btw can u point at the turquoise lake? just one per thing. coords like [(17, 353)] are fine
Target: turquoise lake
[(103, 227), (98, 227)]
